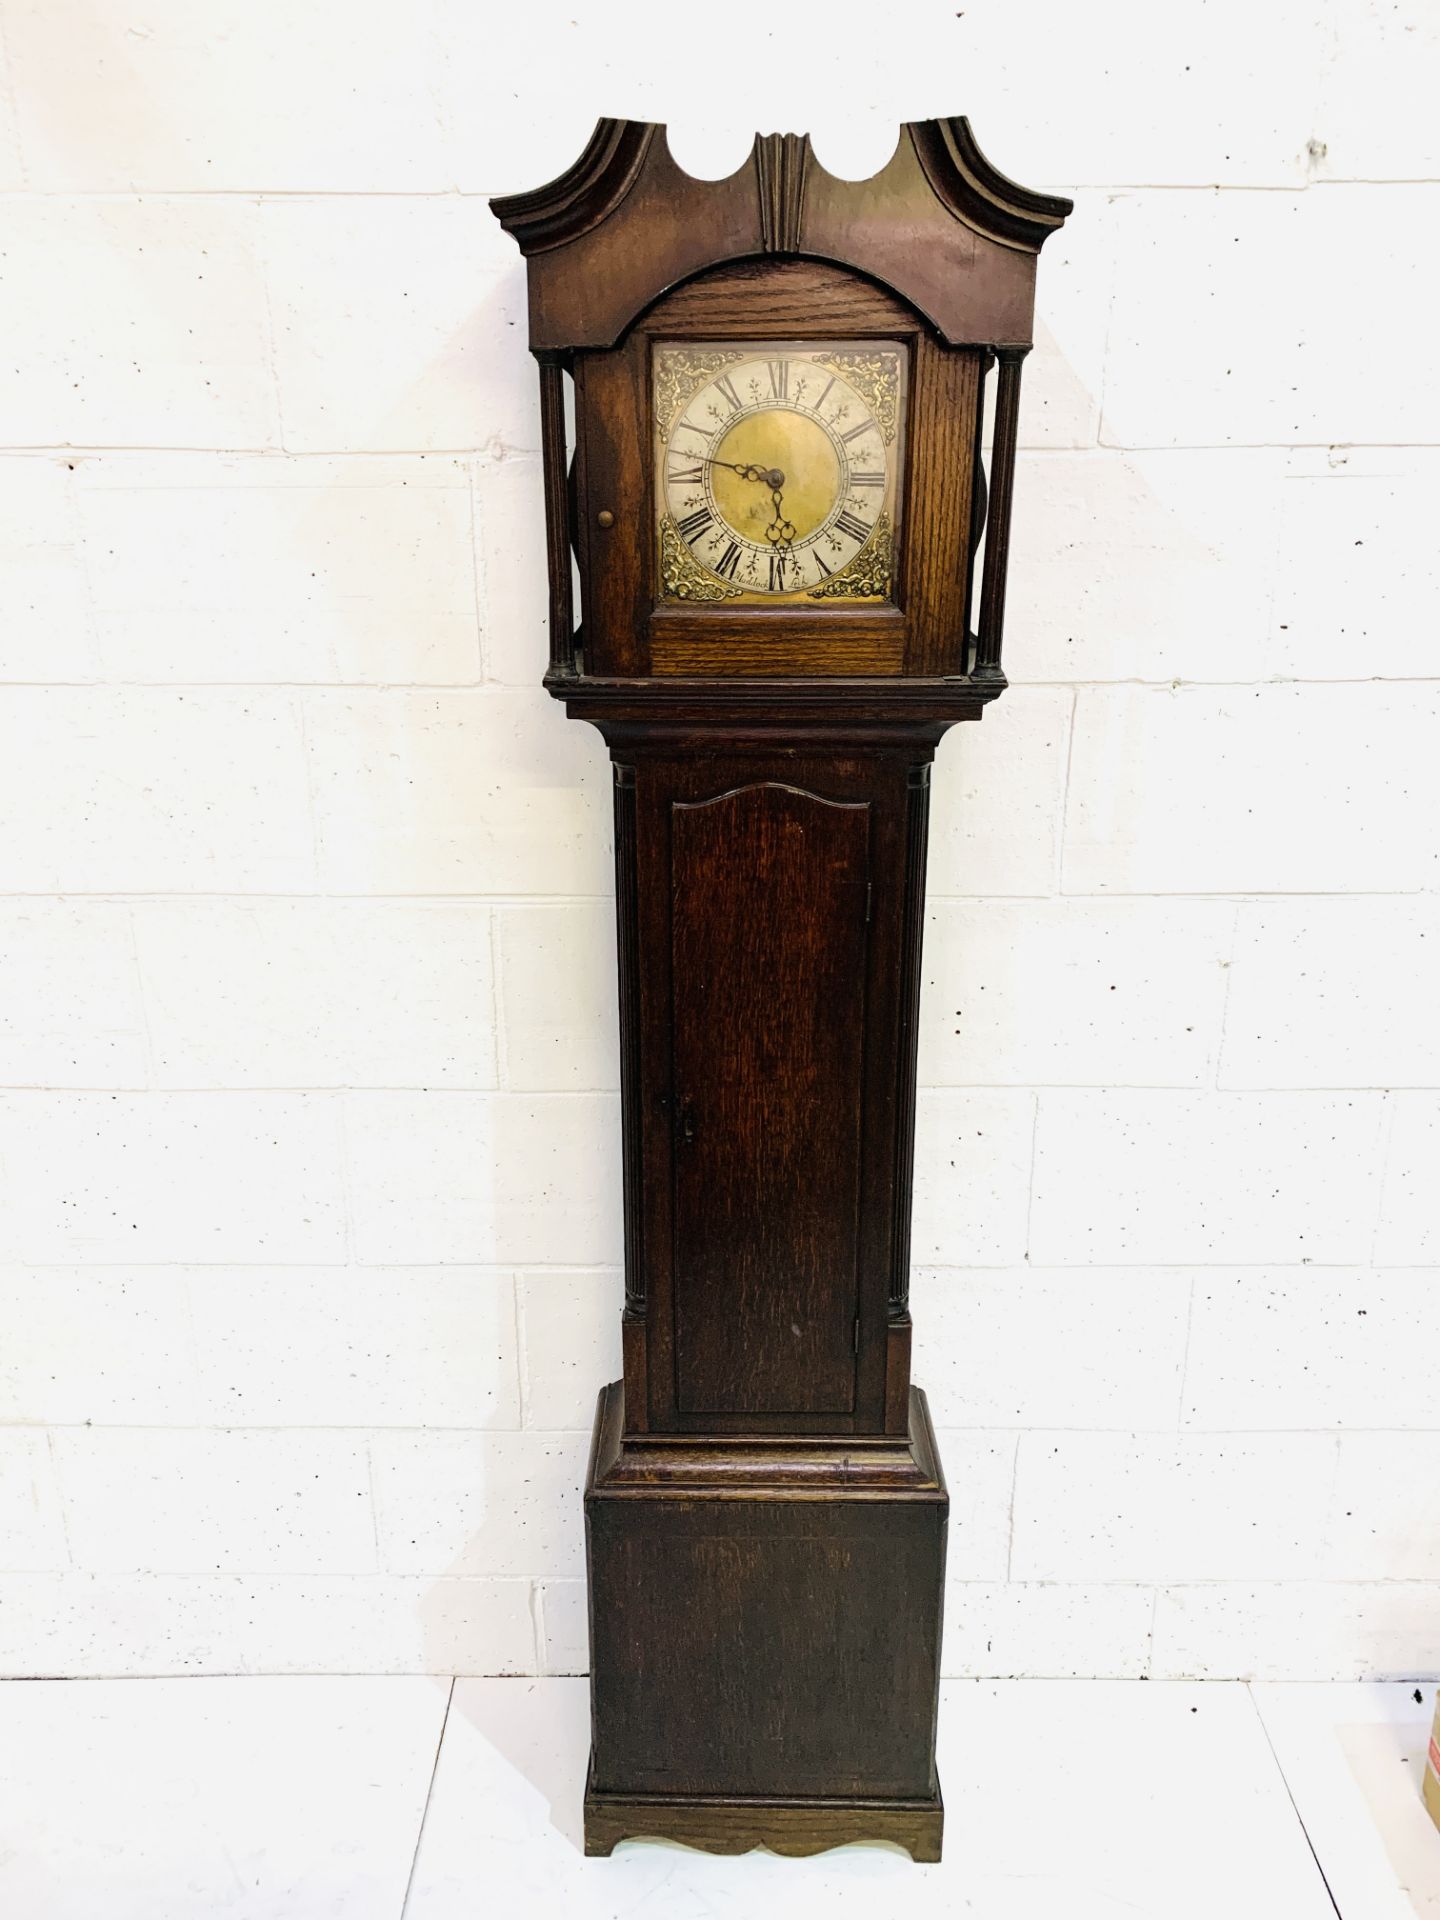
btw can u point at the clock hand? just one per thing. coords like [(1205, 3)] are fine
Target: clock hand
[(770, 476), (780, 532)]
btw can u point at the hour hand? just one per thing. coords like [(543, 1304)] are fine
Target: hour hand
[(780, 532)]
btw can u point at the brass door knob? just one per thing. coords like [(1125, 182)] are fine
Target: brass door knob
[(604, 518)]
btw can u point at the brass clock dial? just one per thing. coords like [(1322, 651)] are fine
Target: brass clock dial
[(778, 470)]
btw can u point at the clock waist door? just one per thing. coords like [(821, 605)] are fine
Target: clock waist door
[(768, 1001)]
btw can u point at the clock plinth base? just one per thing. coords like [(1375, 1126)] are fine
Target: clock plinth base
[(764, 1637), (794, 1827)]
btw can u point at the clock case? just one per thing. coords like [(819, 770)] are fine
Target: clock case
[(765, 1507)]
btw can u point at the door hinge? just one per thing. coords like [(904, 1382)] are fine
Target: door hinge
[(869, 889)]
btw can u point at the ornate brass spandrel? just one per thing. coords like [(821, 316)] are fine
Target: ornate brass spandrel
[(876, 378), (680, 373), (681, 574), (867, 576)]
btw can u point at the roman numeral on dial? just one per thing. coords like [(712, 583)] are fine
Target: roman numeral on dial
[(855, 432), (859, 479), (694, 524), (725, 566), (727, 386), (847, 522), (688, 476), (779, 378), (777, 573)]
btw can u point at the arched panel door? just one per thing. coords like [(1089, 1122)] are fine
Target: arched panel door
[(769, 898)]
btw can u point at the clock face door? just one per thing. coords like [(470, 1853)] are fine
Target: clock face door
[(778, 470)]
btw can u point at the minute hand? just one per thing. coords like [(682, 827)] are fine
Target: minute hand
[(768, 476)]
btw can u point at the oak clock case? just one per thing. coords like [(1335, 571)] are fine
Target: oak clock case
[(791, 555)]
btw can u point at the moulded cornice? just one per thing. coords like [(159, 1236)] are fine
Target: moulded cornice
[(937, 224), (585, 194), (977, 192)]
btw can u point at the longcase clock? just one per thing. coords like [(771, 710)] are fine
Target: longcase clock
[(778, 498)]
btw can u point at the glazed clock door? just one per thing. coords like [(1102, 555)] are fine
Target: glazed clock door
[(769, 910)]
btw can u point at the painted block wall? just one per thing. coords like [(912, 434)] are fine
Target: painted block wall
[(308, 1130)]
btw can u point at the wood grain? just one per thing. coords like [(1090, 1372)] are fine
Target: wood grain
[(938, 222), (557, 516), (1002, 489), (793, 1827), (770, 1627), (936, 530), (767, 656), (612, 403), (770, 891), (770, 1145), (631, 632), (632, 1093)]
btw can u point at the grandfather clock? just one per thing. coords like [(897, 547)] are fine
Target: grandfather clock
[(776, 501)]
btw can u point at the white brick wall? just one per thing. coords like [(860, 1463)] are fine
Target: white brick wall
[(308, 1121)]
